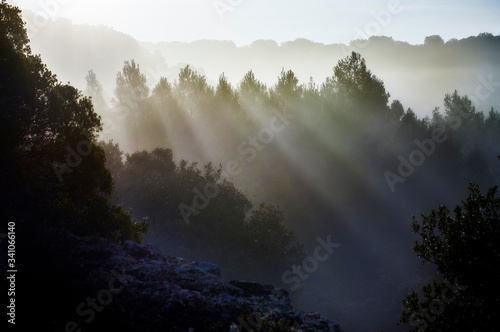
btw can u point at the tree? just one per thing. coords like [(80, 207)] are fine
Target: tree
[(396, 110), (269, 234), (52, 175), (253, 92), (164, 115), (53, 170), (147, 185), (95, 91), (254, 99), (131, 85), (466, 252), (225, 94), (230, 120), (458, 106), (358, 88), (131, 93), (409, 121), (13, 30), (114, 158), (140, 117), (434, 40), (287, 92), (193, 91), (175, 123), (463, 121), (220, 220)]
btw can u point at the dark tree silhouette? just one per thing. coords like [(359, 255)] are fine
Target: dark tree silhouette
[(54, 171), (466, 252)]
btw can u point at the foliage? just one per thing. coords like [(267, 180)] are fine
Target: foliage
[(358, 87), (131, 84), (49, 154), (252, 91), (348, 119), (466, 251), (192, 89), (272, 241), (321, 151), (224, 224), (286, 94), (95, 91)]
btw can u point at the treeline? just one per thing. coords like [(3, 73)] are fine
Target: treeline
[(197, 213), (340, 153), (349, 121), (419, 75), (56, 175), (381, 50), (311, 148), (320, 155)]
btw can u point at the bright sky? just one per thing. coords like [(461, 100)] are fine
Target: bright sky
[(243, 21)]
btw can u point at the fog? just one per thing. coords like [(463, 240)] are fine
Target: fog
[(417, 75), (326, 166)]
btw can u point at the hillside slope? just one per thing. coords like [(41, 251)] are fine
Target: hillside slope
[(92, 284)]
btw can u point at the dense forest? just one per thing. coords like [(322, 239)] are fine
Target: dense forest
[(255, 177)]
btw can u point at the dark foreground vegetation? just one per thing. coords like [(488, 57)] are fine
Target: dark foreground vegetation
[(336, 156)]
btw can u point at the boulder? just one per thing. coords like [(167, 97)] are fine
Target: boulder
[(97, 285)]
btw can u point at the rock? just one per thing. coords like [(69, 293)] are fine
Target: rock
[(253, 288), (142, 251), (208, 267), (137, 288)]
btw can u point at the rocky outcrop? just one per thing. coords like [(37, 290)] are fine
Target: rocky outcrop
[(134, 287)]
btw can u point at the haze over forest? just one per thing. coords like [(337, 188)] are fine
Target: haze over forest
[(417, 75), (296, 144)]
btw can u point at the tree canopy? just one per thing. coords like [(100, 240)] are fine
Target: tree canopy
[(466, 252), (49, 153)]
